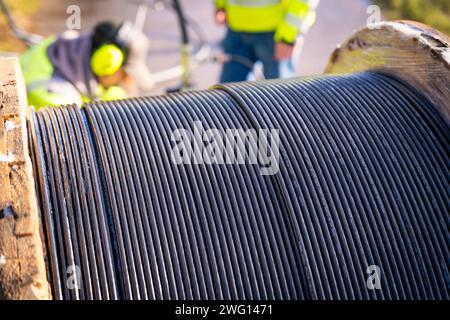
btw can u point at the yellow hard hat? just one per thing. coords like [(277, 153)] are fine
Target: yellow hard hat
[(107, 60)]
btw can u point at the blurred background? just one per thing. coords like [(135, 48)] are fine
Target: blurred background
[(337, 20)]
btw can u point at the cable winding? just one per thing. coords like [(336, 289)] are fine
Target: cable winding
[(363, 180)]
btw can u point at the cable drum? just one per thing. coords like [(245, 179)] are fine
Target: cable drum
[(360, 196)]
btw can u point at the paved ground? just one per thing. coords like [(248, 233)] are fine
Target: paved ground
[(337, 20)]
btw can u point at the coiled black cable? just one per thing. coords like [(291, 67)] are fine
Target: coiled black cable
[(363, 180)]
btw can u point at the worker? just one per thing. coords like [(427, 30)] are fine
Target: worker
[(106, 64), (264, 31)]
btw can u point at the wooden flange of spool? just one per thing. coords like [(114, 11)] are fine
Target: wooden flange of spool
[(411, 51), (22, 266)]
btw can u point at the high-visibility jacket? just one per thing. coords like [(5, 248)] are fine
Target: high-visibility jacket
[(44, 89), (287, 18)]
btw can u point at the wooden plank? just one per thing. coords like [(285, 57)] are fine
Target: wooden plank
[(409, 50), (22, 267)]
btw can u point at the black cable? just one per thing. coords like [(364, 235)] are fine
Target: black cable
[(363, 180), (28, 38)]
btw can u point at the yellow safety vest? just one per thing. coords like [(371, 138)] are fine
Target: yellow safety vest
[(287, 18), (37, 72)]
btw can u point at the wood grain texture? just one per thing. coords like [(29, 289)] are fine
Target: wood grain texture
[(22, 266), (408, 50)]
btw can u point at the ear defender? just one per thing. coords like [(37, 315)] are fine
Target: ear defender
[(107, 60)]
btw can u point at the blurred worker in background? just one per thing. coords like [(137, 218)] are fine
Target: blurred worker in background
[(106, 64), (262, 30)]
